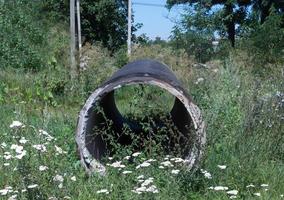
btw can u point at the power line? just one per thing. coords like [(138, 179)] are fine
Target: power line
[(149, 4)]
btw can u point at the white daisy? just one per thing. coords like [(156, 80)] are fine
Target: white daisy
[(103, 191), (17, 124), (175, 171), (136, 154)]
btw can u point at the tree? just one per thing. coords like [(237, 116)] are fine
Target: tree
[(232, 12), (263, 8), (102, 20)]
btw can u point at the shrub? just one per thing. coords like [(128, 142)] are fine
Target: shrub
[(266, 42), (23, 38)]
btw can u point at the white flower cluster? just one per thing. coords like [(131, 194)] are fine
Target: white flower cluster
[(116, 164), (206, 174), (103, 191), (58, 179), (146, 186), (47, 136), (17, 125)]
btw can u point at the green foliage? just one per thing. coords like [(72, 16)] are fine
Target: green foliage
[(266, 41), (23, 38), (102, 21), (244, 125), (121, 57), (229, 14), (143, 101), (195, 44), (243, 113)]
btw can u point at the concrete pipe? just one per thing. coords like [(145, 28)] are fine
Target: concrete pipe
[(183, 114)]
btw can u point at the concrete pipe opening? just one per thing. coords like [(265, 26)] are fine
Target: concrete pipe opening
[(100, 112)]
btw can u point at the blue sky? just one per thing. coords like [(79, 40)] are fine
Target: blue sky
[(157, 21)]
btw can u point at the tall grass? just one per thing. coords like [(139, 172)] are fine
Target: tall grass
[(243, 113)]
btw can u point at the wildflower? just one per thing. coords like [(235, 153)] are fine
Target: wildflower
[(40, 147), (139, 190), (7, 156), (110, 158), (144, 164), (21, 155), (178, 160), (103, 191), (13, 197), (48, 137), (42, 168), (264, 185), (73, 178), (220, 188), (32, 186), (60, 185), (150, 160), (257, 194), (250, 185), (6, 164), (58, 178), (117, 164), (215, 70), (233, 192), (127, 172), (206, 174), (152, 189), (199, 80), (175, 171), (167, 164), (136, 154), (4, 191), (3, 145), (126, 158), (222, 166), (17, 124), (17, 148), (281, 195), (147, 182), (23, 140), (59, 150), (140, 177)]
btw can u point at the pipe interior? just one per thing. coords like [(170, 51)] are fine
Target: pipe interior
[(105, 111)]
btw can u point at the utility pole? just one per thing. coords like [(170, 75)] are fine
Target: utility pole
[(79, 27), (129, 28), (72, 39)]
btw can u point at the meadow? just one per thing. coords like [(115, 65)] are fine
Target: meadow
[(243, 111)]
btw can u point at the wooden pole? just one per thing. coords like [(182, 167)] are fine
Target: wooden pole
[(129, 28), (79, 27), (73, 70)]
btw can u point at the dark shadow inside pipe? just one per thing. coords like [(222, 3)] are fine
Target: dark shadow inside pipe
[(105, 116)]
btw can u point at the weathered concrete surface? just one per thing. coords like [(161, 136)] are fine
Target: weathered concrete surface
[(184, 112)]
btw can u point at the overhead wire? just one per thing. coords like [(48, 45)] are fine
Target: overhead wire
[(149, 4)]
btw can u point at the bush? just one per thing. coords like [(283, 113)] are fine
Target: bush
[(266, 42), (23, 38)]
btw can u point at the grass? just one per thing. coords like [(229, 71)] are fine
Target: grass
[(243, 113), (140, 98)]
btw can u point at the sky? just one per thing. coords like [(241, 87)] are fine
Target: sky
[(156, 20)]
